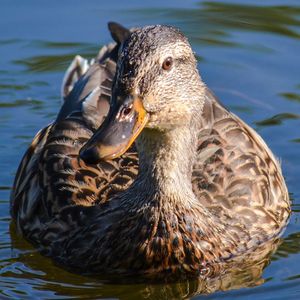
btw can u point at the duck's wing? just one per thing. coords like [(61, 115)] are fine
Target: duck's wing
[(236, 176), (51, 176)]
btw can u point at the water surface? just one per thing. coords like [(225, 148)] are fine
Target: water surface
[(248, 54)]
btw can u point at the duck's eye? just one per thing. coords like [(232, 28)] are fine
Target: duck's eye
[(167, 64), (126, 110)]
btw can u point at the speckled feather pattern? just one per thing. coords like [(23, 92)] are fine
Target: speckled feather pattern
[(90, 217)]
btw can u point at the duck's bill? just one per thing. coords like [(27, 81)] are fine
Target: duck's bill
[(117, 133)]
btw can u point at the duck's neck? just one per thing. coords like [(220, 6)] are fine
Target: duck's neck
[(162, 193), (166, 160)]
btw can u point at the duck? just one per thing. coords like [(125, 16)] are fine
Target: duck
[(144, 172)]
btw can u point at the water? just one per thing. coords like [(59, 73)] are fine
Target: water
[(248, 54)]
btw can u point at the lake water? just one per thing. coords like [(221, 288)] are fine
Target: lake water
[(249, 55)]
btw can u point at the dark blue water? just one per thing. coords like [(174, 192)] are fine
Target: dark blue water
[(249, 55)]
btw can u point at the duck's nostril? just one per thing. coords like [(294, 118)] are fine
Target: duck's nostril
[(90, 155)]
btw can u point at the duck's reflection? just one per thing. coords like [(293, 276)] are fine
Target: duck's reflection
[(245, 271)]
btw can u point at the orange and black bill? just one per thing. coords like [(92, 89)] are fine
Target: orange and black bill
[(121, 127)]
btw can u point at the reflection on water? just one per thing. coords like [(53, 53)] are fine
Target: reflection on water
[(16, 87), (291, 245), (58, 62), (244, 272), (41, 274), (213, 20), (248, 53), (21, 102), (277, 119), (291, 96)]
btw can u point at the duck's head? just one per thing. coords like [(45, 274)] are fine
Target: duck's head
[(156, 86)]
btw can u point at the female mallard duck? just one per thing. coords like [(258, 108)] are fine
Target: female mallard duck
[(204, 189)]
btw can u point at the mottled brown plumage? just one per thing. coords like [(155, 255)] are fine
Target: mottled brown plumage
[(204, 189)]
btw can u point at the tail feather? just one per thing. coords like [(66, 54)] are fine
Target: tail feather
[(77, 68)]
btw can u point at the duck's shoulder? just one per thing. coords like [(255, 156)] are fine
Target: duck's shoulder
[(236, 175)]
